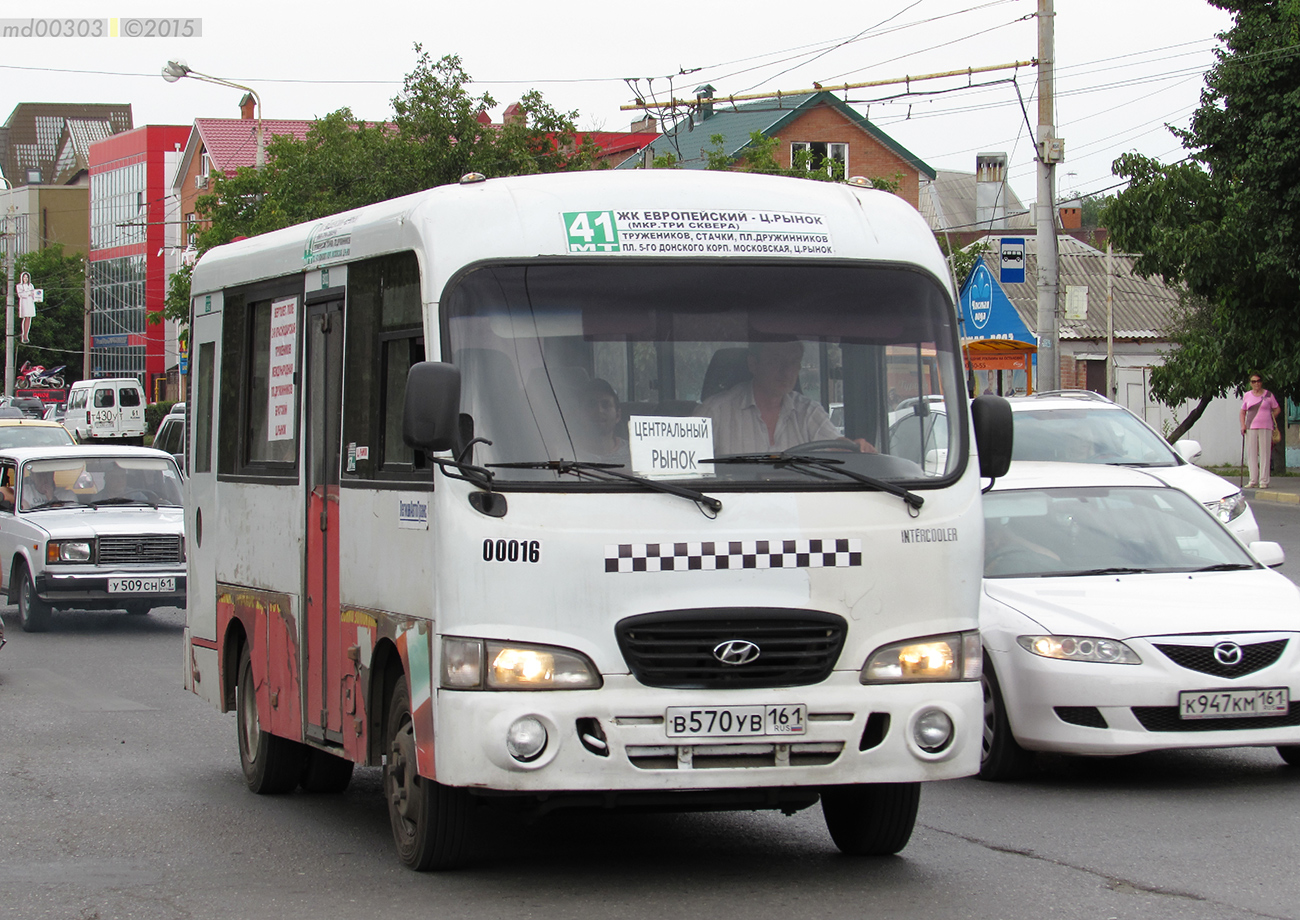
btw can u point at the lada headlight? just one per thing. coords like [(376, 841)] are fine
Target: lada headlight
[(1080, 648), (955, 656), (69, 551), (487, 664)]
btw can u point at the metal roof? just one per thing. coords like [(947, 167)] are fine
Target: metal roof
[(736, 122), (1142, 307), (947, 202)]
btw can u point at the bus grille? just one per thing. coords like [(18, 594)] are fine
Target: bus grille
[(140, 549), (678, 649)]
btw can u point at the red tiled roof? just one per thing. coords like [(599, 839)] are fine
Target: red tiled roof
[(611, 142), (232, 142)]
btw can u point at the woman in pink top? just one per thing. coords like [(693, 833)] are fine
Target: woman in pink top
[(1259, 411)]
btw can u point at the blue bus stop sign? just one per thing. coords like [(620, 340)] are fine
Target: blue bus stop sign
[(1012, 260)]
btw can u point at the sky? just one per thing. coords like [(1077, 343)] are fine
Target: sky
[(1124, 68)]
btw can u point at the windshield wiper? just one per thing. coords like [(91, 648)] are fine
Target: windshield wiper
[(612, 471), (122, 500), (808, 464), (1113, 570), (1225, 567)]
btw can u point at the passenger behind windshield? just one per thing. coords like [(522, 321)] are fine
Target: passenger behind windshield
[(39, 489), (765, 414), (597, 438)]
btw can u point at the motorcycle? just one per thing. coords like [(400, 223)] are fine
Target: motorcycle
[(33, 377)]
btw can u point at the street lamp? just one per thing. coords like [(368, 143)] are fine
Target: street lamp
[(174, 70)]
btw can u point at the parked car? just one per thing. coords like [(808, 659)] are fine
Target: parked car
[(1118, 615), (106, 409), (27, 432), (90, 527), (170, 436), (31, 406), (1079, 426)]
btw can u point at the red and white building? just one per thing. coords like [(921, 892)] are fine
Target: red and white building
[(130, 177)]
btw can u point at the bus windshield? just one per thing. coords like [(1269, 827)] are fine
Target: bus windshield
[(655, 368)]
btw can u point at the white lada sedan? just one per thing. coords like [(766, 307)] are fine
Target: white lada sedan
[(1119, 615), (90, 528)]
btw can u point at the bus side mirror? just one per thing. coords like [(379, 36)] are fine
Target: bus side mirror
[(993, 434), (431, 412)]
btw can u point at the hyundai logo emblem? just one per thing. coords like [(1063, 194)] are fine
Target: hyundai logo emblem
[(1228, 654), (736, 651)]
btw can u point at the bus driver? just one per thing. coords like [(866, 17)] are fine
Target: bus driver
[(764, 414)]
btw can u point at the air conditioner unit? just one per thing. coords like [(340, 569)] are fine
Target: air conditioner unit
[(200, 181)]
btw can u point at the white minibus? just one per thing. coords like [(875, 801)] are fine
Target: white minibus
[(526, 490)]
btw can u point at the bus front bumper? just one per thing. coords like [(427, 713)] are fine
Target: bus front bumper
[(615, 738)]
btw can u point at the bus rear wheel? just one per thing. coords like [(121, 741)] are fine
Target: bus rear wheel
[(271, 764), (430, 821), (871, 819)]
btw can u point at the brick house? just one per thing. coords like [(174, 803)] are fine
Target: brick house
[(222, 145), (820, 123)]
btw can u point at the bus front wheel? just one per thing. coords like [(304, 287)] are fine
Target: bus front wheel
[(271, 764), (871, 819), (430, 821)]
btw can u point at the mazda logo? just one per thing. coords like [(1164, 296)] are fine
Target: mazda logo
[(736, 651), (1228, 654)]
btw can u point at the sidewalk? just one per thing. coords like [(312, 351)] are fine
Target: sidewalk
[(1280, 489)]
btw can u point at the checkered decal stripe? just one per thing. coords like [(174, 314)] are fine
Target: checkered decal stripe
[(737, 554)]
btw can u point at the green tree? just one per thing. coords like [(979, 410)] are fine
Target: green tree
[(58, 329), (1225, 222)]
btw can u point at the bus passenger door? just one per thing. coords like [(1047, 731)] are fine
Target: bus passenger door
[(322, 654)]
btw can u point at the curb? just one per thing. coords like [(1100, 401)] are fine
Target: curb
[(1268, 495)]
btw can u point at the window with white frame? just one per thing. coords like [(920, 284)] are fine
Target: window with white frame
[(833, 159)]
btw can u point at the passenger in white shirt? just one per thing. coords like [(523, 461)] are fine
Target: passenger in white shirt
[(765, 414)]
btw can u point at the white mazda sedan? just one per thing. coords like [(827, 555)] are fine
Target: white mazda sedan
[(1119, 615), (90, 528)]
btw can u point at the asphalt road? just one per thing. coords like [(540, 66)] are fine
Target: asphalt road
[(121, 797)]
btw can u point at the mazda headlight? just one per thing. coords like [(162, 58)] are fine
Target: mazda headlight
[(1229, 507), (68, 551), (478, 664), (1080, 648), (955, 656)]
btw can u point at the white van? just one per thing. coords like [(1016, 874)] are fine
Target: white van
[(110, 408)]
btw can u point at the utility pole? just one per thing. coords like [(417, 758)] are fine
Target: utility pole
[(1050, 151), (10, 246)]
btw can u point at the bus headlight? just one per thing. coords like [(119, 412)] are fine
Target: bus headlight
[(67, 551), (955, 656), (477, 664)]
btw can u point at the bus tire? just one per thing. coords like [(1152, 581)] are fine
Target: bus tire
[(1290, 753), (1001, 757), (271, 764), (325, 774), (33, 613), (871, 819), (430, 821)]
